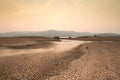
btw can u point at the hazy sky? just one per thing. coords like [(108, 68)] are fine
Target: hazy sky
[(70, 15)]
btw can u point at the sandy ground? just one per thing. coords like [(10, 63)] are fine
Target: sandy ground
[(55, 47), (101, 61), (67, 60), (98, 38)]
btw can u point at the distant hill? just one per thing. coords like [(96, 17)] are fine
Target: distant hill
[(108, 34), (51, 33)]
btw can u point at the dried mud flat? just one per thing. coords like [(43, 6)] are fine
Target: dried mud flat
[(100, 61), (90, 61)]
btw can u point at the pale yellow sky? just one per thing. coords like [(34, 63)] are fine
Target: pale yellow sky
[(71, 15)]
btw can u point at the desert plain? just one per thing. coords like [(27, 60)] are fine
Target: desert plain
[(41, 58)]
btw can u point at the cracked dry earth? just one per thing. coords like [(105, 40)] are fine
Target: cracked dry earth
[(100, 61), (89, 61)]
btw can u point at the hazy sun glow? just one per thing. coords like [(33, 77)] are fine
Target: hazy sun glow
[(76, 15)]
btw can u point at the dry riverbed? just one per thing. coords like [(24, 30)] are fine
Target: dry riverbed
[(66, 60)]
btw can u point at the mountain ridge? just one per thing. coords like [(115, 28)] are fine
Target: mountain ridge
[(52, 33)]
